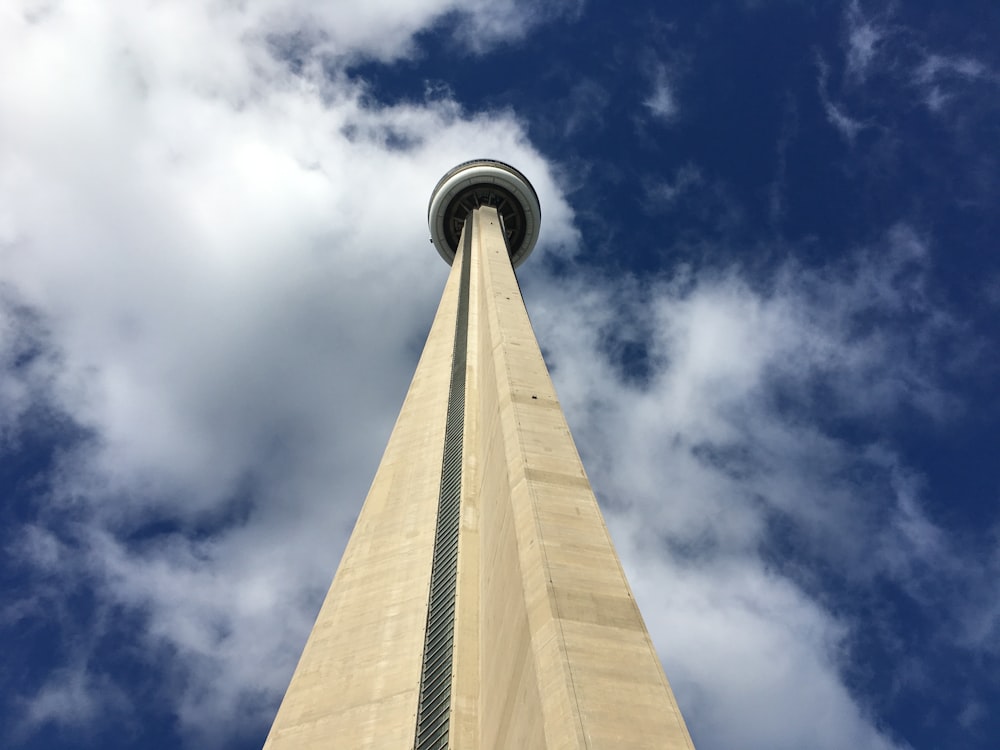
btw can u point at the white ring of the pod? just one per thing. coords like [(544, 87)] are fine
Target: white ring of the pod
[(484, 172)]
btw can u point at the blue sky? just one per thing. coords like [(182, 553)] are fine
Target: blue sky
[(767, 288)]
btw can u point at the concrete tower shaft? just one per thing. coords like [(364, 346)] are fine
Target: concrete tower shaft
[(480, 603)]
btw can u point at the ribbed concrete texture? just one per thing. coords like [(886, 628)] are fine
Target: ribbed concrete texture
[(543, 645)]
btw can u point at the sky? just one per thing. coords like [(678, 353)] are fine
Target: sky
[(767, 288)]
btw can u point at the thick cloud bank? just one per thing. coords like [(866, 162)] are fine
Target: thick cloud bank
[(216, 281)]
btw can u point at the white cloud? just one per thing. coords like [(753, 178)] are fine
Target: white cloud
[(663, 193), (863, 38), (848, 126), (753, 659), (941, 78), (174, 227), (504, 21), (936, 65), (74, 697), (938, 77), (863, 41), (662, 101), (730, 447)]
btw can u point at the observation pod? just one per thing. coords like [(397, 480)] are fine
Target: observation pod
[(484, 182)]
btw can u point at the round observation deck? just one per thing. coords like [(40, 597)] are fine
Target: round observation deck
[(484, 182)]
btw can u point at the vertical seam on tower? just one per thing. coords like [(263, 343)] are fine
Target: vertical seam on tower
[(434, 703)]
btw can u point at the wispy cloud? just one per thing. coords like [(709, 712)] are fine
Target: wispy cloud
[(776, 192), (661, 194), (75, 697), (662, 100), (502, 21), (935, 66), (863, 38), (942, 78), (849, 127), (587, 107), (907, 59)]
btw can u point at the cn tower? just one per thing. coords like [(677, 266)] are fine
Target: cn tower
[(480, 603)]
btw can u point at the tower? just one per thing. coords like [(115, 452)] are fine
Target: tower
[(480, 602)]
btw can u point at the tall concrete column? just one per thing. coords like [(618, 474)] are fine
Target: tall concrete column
[(480, 602)]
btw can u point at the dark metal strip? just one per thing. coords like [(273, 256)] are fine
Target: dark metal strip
[(436, 672)]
